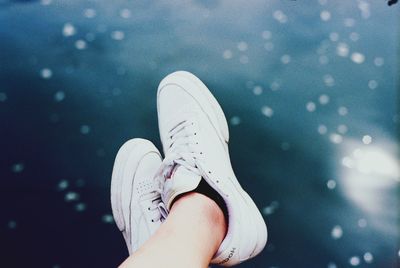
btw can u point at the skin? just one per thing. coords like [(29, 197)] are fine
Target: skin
[(190, 236)]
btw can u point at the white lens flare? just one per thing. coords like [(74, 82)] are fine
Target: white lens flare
[(368, 172)]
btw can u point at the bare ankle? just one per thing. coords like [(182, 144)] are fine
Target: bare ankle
[(206, 207)]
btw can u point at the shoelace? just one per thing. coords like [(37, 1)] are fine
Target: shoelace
[(182, 149), (156, 206)]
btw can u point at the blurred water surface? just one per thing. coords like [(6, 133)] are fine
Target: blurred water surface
[(309, 89)]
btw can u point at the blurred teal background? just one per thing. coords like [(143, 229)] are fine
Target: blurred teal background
[(310, 89)]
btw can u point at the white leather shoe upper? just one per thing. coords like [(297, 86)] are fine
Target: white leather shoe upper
[(135, 194), (194, 134)]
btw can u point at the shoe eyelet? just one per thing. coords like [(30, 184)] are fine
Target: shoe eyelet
[(195, 133), (217, 181), (152, 220), (148, 208), (209, 172), (201, 152)]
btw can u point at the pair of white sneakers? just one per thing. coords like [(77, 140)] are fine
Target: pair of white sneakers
[(194, 134)]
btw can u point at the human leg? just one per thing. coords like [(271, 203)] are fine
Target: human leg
[(194, 134), (189, 237)]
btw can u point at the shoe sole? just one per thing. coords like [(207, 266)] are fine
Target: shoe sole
[(218, 119), (125, 154)]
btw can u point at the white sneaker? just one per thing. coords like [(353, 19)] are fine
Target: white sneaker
[(135, 198), (194, 134)]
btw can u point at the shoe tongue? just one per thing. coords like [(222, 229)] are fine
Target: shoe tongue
[(182, 173), (181, 181)]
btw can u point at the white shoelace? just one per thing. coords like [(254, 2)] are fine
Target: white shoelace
[(182, 149), (155, 205)]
